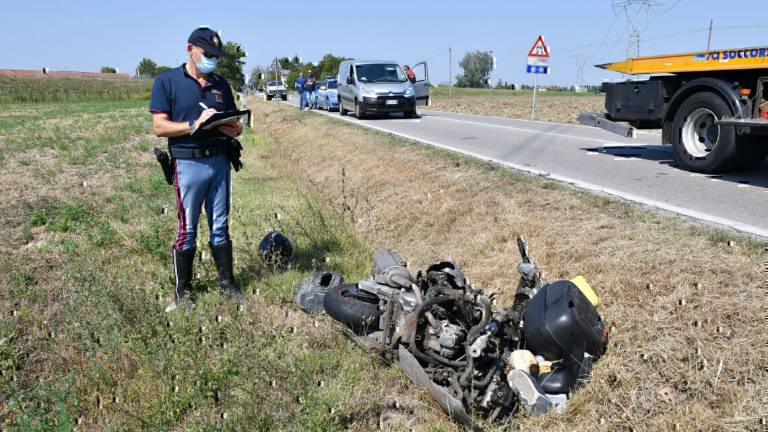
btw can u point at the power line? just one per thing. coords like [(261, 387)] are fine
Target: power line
[(632, 9)]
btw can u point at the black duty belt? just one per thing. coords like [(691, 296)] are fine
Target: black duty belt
[(198, 152)]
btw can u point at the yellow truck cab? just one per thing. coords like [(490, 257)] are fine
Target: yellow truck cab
[(711, 106)]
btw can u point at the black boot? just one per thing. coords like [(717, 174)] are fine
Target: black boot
[(182, 266), (222, 256)]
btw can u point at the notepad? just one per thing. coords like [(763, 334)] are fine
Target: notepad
[(221, 118)]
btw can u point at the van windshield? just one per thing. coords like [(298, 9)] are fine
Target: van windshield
[(369, 73), (274, 83), (331, 84)]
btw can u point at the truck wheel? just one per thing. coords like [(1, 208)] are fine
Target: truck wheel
[(698, 144), (357, 309), (359, 113), (269, 98)]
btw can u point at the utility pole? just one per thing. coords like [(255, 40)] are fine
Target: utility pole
[(493, 66), (533, 101), (450, 75), (631, 8), (709, 38)]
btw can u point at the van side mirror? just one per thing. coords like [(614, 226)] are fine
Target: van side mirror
[(350, 80)]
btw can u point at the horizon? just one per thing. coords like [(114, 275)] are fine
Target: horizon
[(120, 35)]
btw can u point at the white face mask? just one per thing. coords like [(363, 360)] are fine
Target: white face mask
[(207, 64)]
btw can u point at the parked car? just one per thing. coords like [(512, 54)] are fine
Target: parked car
[(328, 94), (380, 86), (276, 89)]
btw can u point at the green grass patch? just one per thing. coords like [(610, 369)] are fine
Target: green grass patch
[(61, 89), (88, 338)]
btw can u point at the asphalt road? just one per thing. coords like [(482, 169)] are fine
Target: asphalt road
[(639, 170)]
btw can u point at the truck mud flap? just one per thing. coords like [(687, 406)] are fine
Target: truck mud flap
[(452, 406)]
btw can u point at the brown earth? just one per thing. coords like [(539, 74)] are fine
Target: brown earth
[(559, 109), (683, 303)]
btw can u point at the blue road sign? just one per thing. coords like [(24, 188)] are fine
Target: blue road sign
[(537, 69)]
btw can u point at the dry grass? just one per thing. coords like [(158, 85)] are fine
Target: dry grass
[(550, 106), (85, 273), (685, 308)]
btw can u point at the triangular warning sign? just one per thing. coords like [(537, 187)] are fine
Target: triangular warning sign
[(539, 49)]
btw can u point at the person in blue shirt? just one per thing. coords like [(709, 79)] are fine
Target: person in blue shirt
[(182, 99), (315, 88), (309, 89), (299, 87)]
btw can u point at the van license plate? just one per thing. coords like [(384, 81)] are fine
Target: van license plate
[(391, 102)]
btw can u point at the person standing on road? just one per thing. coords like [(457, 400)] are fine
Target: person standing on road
[(314, 92), (309, 88), (299, 87), (182, 99), (409, 73)]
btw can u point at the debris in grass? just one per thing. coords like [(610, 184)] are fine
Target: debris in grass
[(667, 394)]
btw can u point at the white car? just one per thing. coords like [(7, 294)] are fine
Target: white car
[(275, 89)]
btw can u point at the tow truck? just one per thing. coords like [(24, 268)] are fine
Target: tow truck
[(711, 106)]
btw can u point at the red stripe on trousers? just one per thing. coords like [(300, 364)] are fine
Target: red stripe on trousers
[(181, 236)]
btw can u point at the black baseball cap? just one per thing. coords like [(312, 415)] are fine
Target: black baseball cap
[(208, 40)]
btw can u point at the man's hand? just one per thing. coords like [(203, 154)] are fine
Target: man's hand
[(232, 129), (205, 115)]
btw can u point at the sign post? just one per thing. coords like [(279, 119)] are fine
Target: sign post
[(538, 63)]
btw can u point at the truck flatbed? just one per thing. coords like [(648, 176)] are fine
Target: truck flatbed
[(704, 61)]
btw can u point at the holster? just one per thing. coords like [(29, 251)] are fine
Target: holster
[(235, 152), (164, 159)]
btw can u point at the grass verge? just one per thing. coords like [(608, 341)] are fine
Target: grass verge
[(85, 272), (684, 302), (60, 89)]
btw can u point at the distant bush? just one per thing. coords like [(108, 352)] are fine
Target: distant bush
[(55, 89)]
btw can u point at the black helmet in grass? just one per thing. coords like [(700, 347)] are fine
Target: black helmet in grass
[(449, 271), (276, 249)]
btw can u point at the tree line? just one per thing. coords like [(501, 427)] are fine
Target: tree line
[(290, 67), (230, 65), (476, 65)]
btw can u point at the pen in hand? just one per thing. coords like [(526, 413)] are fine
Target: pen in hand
[(203, 105)]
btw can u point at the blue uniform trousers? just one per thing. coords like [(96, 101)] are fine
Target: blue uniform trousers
[(197, 182)]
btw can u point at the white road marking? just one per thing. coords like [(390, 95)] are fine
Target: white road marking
[(536, 121), (728, 223), (625, 158), (530, 131)]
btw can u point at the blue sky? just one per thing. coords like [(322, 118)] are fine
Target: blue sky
[(85, 35)]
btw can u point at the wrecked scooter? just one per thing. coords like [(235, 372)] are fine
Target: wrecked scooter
[(474, 360)]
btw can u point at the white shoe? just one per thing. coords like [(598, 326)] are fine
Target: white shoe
[(530, 393)]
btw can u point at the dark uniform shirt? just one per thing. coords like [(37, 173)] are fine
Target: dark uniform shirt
[(178, 94)]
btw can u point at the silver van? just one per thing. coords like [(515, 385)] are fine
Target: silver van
[(381, 86)]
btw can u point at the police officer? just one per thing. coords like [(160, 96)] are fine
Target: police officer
[(182, 99)]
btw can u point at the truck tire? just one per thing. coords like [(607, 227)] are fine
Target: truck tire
[(358, 310), (359, 111), (699, 146)]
